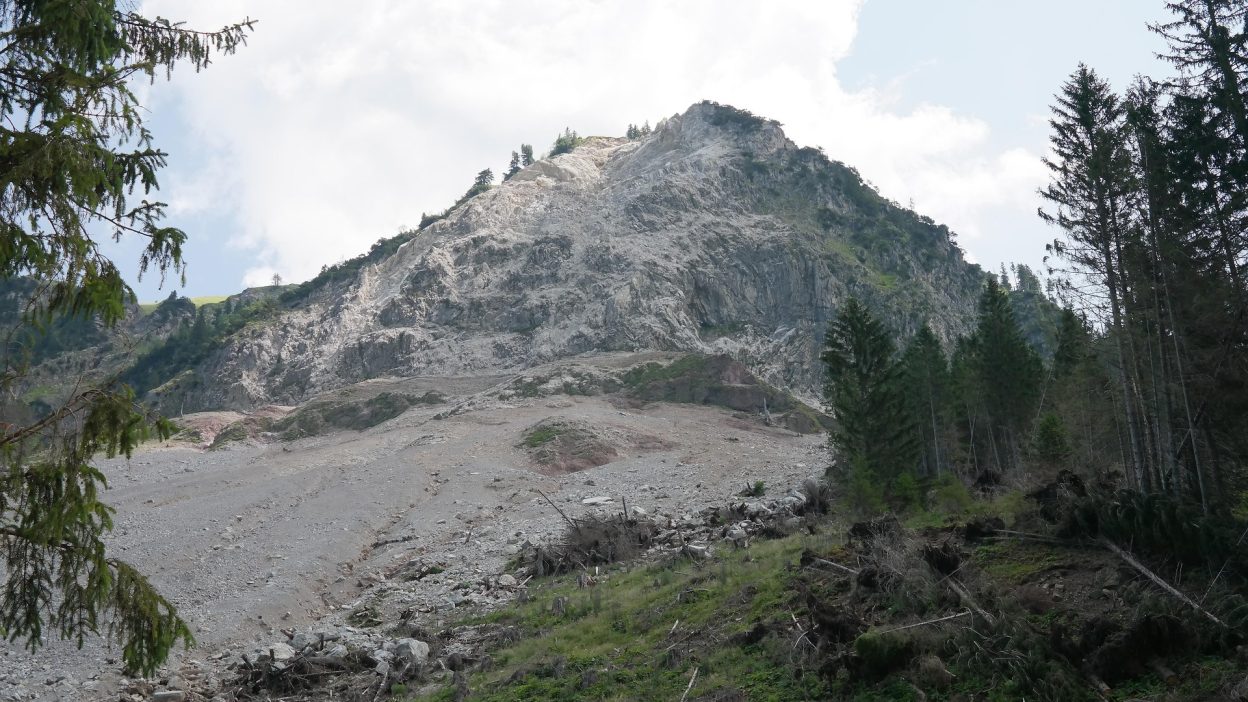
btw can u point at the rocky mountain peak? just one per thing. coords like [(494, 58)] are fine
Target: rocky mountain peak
[(713, 234)]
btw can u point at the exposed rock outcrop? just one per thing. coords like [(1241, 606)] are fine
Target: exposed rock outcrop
[(715, 234)]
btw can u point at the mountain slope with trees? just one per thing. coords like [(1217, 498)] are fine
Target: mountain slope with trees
[(712, 234)]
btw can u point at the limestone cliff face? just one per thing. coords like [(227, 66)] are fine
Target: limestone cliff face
[(713, 234)]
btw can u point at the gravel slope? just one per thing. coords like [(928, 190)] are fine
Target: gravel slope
[(258, 538)]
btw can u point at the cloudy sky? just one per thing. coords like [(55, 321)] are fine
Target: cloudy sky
[(334, 128)]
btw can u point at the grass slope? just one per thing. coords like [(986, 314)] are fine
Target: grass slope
[(860, 612), (149, 307), (641, 632)]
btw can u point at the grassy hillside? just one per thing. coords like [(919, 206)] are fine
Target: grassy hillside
[(149, 307), (956, 602)]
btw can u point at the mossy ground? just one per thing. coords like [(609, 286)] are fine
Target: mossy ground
[(321, 417), (541, 435)]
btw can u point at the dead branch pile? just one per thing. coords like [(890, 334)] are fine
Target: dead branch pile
[(594, 540)]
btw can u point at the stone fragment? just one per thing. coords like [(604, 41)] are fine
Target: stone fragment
[(411, 651), (301, 641), (281, 652)]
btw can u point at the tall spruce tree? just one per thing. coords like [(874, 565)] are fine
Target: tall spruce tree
[(1079, 393), (1009, 376), (874, 434), (1072, 344), (925, 371), (74, 153), (1208, 42), (1090, 187), (1152, 196)]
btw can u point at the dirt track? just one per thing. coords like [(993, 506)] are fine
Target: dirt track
[(256, 538)]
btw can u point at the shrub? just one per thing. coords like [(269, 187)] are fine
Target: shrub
[(907, 492), (540, 436), (593, 541), (950, 496), (758, 489)]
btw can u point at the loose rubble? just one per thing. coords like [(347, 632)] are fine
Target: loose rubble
[(397, 532), (415, 644)]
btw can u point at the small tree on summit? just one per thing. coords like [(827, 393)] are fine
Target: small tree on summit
[(564, 143), (513, 167), (526, 155), (484, 179)]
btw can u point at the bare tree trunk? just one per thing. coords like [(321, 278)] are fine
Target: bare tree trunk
[(1187, 405), (931, 404), (1117, 330)]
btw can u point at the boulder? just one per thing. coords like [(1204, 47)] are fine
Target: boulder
[(411, 652)]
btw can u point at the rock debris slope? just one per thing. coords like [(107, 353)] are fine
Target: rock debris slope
[(714, 234)]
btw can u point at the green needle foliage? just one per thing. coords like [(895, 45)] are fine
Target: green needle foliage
[(875, 435), (1010, 375), (77, 163), (926, 377)]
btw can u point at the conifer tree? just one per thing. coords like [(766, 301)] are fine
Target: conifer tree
[(1009, 375), (566, 142), (1208, 42), (966, 404), (1051, 446), (513, 167), (926, 374), (526, 155), (1090, 186), (199, 331), (74, 152), (1072, 344), (1079, 394), (874, 435)]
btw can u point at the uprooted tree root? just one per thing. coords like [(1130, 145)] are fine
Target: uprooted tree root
[(311, 672), (351, 675), (593, 540)]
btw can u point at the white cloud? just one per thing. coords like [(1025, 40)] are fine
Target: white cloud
[(334, 127)]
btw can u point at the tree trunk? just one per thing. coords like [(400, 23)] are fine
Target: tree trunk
[(1117, 329)]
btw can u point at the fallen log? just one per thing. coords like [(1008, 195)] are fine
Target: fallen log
[(1131, 561)]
